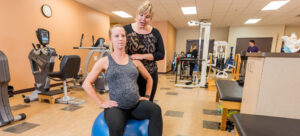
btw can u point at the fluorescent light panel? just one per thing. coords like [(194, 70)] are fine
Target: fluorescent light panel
[(274, 5), (122, 14), (252, 21), (189, 10)]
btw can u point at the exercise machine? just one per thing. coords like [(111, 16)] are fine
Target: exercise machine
[(103, 50), (220, 52), (222, 65), (230, 61), (265, 125), (6, 116), (202, 81), (222, 72), (41, 59), (229, 95), (183, 67), (42, 64), (69, 67)]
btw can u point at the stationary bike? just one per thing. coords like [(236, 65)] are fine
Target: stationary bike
[(41, 59)]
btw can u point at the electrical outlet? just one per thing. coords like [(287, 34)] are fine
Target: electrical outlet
[(95, 58)]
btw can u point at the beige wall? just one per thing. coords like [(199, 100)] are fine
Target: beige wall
[(219, 34), (171, 46), (20, 20), (162, 26), (256, 31), (168, 33), (292, 29)]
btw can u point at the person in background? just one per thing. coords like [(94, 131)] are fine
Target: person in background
[(282, 47), (252, 47), (182, 54), (194, 53)]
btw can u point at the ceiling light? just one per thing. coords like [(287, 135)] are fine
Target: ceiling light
[(193, 23), (252, 21), (189, 10), (122, 14), (274, 5)]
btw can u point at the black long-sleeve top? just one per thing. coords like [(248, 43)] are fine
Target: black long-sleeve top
[(145, 44), (194, 53)]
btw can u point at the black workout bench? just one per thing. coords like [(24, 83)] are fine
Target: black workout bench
[(258, 125), (230, 94)]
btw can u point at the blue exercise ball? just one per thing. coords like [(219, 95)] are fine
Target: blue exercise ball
[(132, 128)]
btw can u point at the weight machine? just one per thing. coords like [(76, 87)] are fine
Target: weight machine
[(219, 57), (202, 82)]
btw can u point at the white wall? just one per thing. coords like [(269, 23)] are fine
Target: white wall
[(219, 34), (292, 29), (257, 31)]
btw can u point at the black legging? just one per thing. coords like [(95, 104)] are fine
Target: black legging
[(142, 85), (116, 118), (192, 66)]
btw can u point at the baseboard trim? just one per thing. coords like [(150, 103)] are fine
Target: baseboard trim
[(32, 89)]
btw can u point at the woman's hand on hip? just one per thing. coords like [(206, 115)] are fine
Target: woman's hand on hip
[(144, 98), (109, 104)]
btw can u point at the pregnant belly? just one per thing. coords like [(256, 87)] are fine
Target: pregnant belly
[(125, 99)]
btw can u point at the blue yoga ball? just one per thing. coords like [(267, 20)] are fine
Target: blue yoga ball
[(132, 128)]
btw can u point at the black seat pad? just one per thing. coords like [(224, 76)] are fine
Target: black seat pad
[(257, 125), (229, 90)]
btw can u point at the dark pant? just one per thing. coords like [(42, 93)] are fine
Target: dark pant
[(192, 66), (142, 85), (116, 118)]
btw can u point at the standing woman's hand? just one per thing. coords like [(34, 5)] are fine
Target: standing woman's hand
[(142, 57), (137, 56)]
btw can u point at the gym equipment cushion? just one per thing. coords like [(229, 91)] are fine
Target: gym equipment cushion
[(258, 125), (229, 90)]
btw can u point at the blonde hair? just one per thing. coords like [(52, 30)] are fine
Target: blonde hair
[(194, 46), (114, 26), (110, 29), (145, 7)]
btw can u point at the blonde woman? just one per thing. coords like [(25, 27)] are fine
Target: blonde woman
[(145, 43), (121, 73)]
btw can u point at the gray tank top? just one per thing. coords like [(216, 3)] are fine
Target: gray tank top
[(122, 83)]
